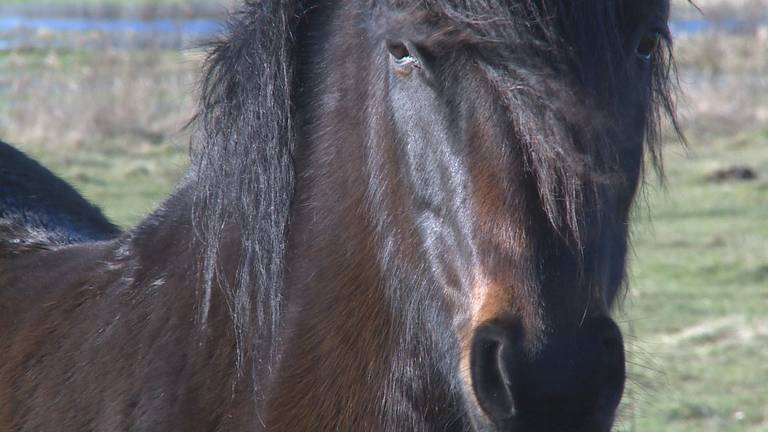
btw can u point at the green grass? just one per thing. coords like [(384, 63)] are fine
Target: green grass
[(126, 179), (697, 312), (108, 122)]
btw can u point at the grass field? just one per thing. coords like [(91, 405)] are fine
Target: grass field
[(111, 122), (697, 312), (696, 315), (698, 305)]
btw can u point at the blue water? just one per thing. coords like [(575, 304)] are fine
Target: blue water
[(12, 27), (207, 26), (199, 27), (689, 26), (679, 27)]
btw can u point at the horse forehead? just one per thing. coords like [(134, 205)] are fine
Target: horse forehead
[(496, 19)]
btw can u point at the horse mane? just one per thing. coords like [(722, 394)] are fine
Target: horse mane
[(243, 165)]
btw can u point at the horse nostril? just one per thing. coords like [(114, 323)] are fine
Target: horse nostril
[(573, 380), (491, 377)]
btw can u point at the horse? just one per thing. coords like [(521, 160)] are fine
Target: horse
[(38, 209), (399, 215)]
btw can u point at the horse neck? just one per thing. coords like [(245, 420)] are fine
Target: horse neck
[(117, 319), (359, 350)]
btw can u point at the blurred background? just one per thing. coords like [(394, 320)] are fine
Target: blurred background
[(100, 90)]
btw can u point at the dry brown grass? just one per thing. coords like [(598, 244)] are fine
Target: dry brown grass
[(71, 99), (724, 77)]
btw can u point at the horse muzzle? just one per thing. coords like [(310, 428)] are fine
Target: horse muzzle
[(571, 382)]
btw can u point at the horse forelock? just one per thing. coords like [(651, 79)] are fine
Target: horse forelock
[(530, 53)]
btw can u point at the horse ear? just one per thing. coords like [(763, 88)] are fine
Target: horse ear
[(243, 160)]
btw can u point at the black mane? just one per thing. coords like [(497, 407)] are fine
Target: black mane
[(243, 160)]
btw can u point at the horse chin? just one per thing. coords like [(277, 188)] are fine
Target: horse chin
[(481, 423), (599, 423)]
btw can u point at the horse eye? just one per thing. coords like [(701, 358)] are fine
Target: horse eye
[(400, 53), (648, 45)]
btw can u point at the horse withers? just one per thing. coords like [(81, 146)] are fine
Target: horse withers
[(400, 216)]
